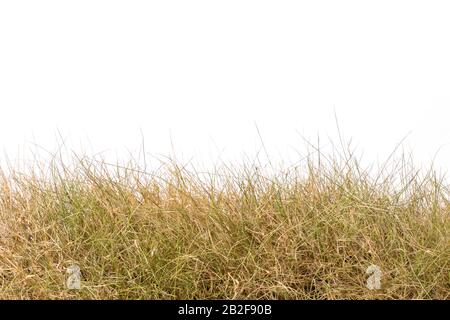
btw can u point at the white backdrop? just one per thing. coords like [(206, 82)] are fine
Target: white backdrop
[(202, 73)]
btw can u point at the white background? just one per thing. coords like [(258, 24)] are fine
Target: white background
[(202, 73)]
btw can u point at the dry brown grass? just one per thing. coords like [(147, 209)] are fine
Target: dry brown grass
[(302, 233)]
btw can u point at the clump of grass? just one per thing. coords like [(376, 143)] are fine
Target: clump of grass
[(306, 232)]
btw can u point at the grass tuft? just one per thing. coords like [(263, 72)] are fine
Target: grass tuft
[(307, 232)]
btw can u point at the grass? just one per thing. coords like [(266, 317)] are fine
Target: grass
[(306, 232)]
